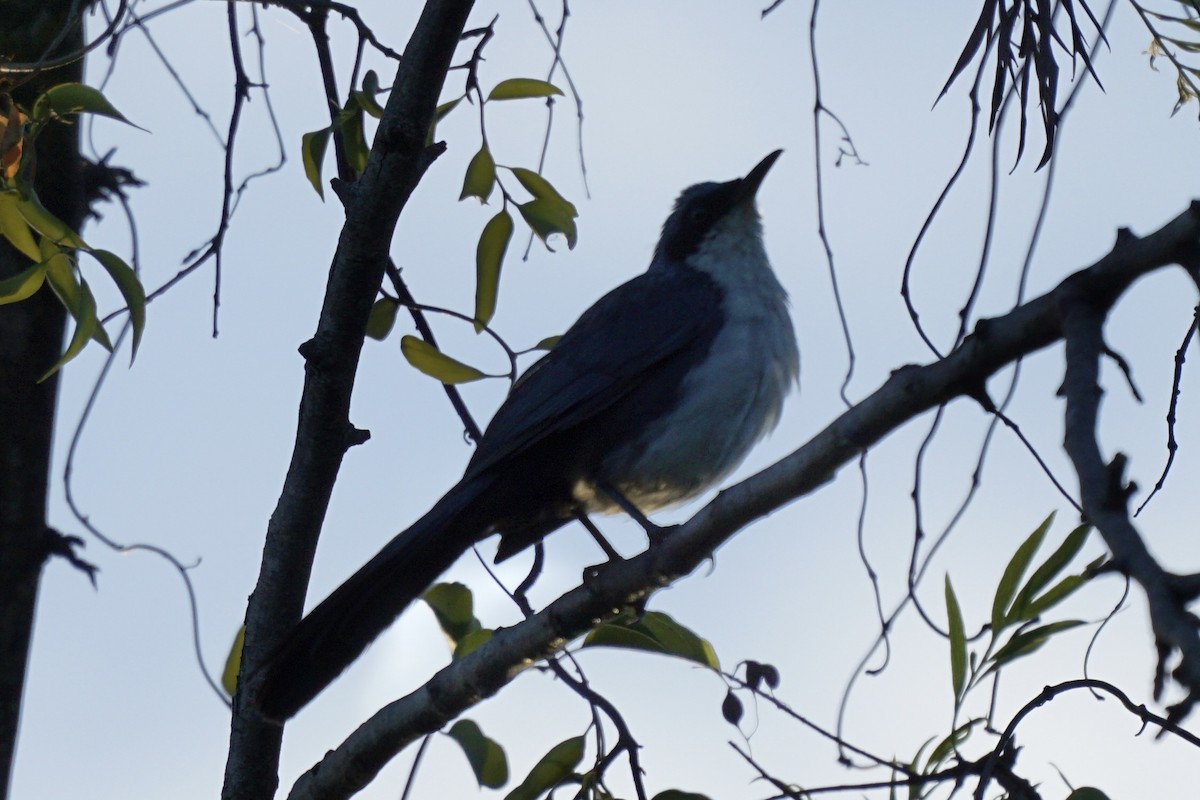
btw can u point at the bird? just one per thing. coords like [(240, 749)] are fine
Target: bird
[(654, 395)]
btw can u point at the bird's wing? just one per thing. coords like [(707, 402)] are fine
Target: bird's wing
[(614, 346)]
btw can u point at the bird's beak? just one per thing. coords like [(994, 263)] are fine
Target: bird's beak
[(750, 183)]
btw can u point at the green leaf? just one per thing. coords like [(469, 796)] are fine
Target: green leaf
[(433, 362), (547, 217), (14, 227), (731, 708), (1013, 573), (439, 114), (1047, 572), (366, 97), (554, 767), (312, 154), (1055, 595), (1028, 641), (131, 290), (48, 225), (489, 255), (454, 607), (521, 88), (354, 139), (60, 272), (472, 642), (22, 285), (485, 755), (539, 187), (547, 343), (950, 744), (85, 329), (958, 642), (233, 663), (73, 98), (676, 794), (382, 318), (1087, 793), (480, 177), (655, 632)]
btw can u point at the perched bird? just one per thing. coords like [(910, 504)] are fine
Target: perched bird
[(654, 395)]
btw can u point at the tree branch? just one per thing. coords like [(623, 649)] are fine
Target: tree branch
[(908, 392), (398, 160)]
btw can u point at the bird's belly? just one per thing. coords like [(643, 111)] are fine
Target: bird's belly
[(727, 404)]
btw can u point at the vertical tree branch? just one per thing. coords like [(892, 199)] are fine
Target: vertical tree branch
[(398, 160)]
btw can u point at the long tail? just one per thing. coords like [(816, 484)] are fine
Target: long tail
[(337, 631)]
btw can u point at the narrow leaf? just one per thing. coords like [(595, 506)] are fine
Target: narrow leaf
[(1047, 572), (950, 744), (85, 328), (22, 285), (48, 225), (433, 362), (354, 139), (1055, 595), (73, 98), (485, 756), (520, 88), (480, 177), (438, 115), (382, 318), (14, 227), (312, 154), (1029, 641), (958, 642), (131, 290), (553, 768), (489, 255), (233, 663), (1013, 573)]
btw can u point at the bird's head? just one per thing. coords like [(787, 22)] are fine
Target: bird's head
[(714, 220)]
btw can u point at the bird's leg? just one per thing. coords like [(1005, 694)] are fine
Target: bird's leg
[(655, 533), (609, 550)]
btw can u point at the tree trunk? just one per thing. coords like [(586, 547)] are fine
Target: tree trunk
[(31, 339)]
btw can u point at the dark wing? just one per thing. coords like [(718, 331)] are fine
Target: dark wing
[(609, 351)]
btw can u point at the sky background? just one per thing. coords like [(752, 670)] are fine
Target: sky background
[(187, 450)]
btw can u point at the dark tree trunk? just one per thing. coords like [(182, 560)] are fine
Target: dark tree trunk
[(31, 339)]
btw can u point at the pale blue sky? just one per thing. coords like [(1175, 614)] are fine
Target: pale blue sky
[(188, 449)]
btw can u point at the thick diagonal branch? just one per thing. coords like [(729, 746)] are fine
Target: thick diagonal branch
[(909, 392)]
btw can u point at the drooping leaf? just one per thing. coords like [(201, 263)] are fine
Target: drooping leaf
[(731, 708), (60, 273), (73, 98), (14, 228), (312, 154), (553, 768), (233, 663), (48, 225), (382, 318), (547, 216), (85, 328), (131, 290), (454, 607), (435, 363), (472, 642), (485, 756), (539, 187), (480, 177), (958, 642), (22, 285), (354, 138), (521, 88), (1011, 579), (655, 632), (489, 255), (948, 745)]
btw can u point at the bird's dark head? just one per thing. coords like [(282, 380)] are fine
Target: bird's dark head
[(709, 210)]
